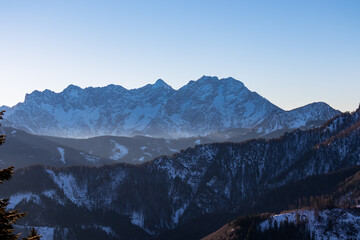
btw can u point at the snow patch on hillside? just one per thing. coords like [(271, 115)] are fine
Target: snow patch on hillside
[(62, 154), (75, 193), (90, 158), (52, 195), (211, 182), (137, 218), (17, 198), (47, 233), (119, 151), (179, 212), (345, 223), (108, 230)]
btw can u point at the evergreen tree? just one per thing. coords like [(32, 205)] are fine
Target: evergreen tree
[(8, 218)]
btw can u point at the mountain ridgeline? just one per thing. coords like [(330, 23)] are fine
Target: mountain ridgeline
[(208, 183), (204, 107), (23, 149)]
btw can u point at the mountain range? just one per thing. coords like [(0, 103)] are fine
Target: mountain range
[(191, 193), (159, 163), (208, 106)]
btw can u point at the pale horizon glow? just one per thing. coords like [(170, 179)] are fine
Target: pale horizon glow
[(290, 52)]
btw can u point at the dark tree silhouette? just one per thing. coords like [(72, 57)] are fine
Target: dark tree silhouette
[(8, 218)]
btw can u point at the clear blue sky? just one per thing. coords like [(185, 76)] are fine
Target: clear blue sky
[(290, 52)]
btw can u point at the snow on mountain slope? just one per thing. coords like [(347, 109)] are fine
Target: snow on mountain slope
[(201, 107), (75, 193), (337, 223)]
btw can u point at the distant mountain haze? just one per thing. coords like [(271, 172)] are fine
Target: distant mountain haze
[(207, 106), (23, 149)]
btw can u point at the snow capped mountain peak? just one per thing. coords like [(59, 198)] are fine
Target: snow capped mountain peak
[(72, 88), (303, 117), (39, 97), (214, 82), (161, 84), (315, 105), (72, 91), (231, 81), (33, 95), (208, 84), (208, 79)]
